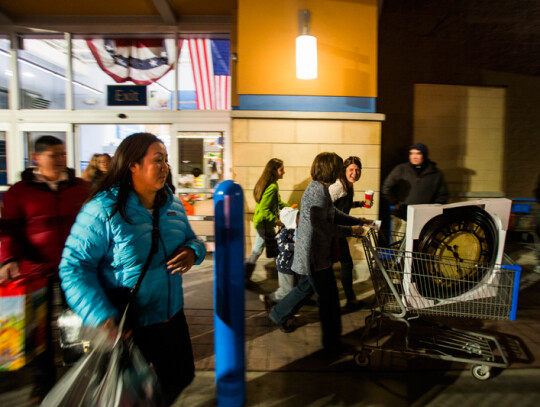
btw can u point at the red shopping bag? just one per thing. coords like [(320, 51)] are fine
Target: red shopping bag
[(23, 322)]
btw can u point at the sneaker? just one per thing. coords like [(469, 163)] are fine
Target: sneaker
[(267, 301), (288, 326)]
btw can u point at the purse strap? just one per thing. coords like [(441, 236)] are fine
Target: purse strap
[(153, 250), (135, 289)]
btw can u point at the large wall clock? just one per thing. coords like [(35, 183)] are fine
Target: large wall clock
[(460, 246)]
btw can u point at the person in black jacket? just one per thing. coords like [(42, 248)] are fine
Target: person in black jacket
[(418, 181)]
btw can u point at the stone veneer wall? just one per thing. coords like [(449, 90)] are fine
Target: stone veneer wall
[(297, 138)]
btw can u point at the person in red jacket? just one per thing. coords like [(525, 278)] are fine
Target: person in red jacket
[(37, 217)]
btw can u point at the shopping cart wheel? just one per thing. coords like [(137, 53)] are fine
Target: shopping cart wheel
[(368, 319), (362, 358), (371, 321), (481, 372)]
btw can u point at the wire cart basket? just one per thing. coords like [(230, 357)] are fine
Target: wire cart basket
[(413, 290)]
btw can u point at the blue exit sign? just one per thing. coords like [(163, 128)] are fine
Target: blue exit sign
[(126, 95)]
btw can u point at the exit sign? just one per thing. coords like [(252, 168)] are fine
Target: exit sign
[(126, 95)]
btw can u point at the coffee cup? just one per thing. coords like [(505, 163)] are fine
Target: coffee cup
[(369, 199)]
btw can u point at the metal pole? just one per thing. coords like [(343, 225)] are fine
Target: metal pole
[(229, 329)]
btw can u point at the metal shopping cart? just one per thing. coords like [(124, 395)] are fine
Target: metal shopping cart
[(415, 291)]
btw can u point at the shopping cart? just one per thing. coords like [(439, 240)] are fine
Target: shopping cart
[(414, 292)]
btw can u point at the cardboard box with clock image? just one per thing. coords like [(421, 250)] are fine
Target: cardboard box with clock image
[(457, 251)]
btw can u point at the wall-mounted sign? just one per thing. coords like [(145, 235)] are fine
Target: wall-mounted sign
[(126, 95)]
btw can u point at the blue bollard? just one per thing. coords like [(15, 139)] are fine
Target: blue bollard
[(229, 319)]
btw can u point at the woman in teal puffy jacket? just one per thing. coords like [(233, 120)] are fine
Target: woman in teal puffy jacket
[(109, 244)]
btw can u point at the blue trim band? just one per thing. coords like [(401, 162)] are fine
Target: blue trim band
[(306, 103), (515, 292)]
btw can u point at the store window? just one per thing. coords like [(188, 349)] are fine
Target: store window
[(42, 73), (98, 63), (105, 138), (5, 72), (202, 80), (203, 75)]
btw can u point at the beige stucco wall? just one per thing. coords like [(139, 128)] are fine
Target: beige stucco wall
[(346, 33), (297, 138)]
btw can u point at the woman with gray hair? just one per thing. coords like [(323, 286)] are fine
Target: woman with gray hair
[(319, 222)]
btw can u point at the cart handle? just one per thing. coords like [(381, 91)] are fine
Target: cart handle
[(515, 293)]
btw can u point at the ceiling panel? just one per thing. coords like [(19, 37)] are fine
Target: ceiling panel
[(21, 8)]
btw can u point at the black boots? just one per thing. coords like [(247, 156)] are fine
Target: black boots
[(248, 272)]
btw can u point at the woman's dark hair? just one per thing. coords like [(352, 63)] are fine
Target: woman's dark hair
[(343, 176), (130, 151), (169, 180), (326, 167), (268, 176)]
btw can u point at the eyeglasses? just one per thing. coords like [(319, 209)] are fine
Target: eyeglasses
[(56, 155)]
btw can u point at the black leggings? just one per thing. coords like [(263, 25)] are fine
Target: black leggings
[(167, 346), (347, 266)]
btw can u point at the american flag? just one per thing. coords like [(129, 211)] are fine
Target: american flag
[(211, 72), (140, 61)]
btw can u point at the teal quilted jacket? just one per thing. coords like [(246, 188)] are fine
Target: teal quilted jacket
[(104, 252)]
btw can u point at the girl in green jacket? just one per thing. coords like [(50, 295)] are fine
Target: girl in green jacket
[(266, 194)]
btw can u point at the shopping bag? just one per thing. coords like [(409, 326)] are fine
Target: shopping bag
[(73, 343), (110, 375), (78, 385), (129, 380), (23, 322), (73, 337)]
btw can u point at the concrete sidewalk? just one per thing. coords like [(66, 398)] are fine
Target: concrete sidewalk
[(291, 369)]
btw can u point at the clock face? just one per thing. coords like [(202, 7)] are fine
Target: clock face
[(458, 247)]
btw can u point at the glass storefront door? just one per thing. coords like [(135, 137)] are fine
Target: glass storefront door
[(199, 164), (198, 146), (200, 161)]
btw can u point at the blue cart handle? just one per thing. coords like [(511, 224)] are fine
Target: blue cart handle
[(515, 292)]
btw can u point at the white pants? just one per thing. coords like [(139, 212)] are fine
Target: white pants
[(286, 284)]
